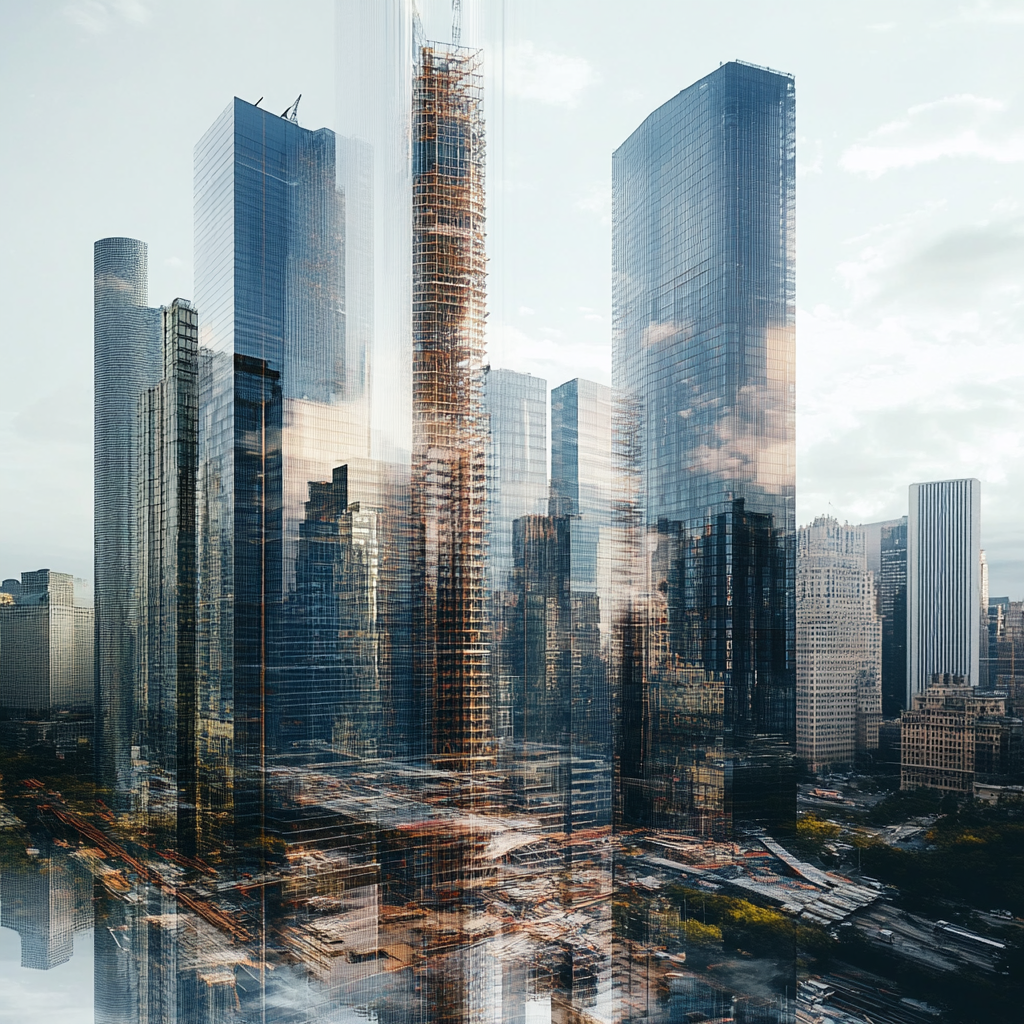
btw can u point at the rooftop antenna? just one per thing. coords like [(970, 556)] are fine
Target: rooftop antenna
[(258, 102), (292, 113), (456, 22)]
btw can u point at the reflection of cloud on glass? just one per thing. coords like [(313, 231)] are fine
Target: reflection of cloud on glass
[(556, 79), (954, 126)]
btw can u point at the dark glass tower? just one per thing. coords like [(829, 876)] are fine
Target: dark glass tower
[(276, 414), (893, 592), (703, 364), (127, 363)]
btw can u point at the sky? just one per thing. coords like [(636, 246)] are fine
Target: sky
[(910, 215)]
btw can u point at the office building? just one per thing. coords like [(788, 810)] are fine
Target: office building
[(276, 415), (838, 646), (891, 585), (703, 362), (581, 477), (127, 362), (47, 683), (166, 707), (47, 900), (943, 582), (954, 736), (515, 405)]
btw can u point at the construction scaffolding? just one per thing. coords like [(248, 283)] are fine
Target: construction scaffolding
[(451, 644)]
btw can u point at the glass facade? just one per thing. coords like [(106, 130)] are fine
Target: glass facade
[(893, 594), (703, 366), (517, 460), (277, 416), (127, 361), (166, 710)]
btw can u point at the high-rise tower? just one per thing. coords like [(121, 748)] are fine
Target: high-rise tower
[(166, 709), (451, 643), (127, 362), (276, 415), (943, 582), (703, 362)]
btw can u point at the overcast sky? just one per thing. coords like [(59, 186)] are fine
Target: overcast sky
[(910, 216)]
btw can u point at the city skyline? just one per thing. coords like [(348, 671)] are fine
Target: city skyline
[(848, 410), (428, 671)]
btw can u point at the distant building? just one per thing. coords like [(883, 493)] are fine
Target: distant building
[(954, 736), (46, 662), (943, 582), (46, 647), (886, 551), (891, 587), (838, 646), (517, 460)]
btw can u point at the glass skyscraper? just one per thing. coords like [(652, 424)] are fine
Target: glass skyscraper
[(277, 417), (127, 362), (166, 711), (517, 457), (703, 363)]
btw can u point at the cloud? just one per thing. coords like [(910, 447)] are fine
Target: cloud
[(981, 264), (812, 166), (99, 16), (954, 126), (984, 12), (597, 199), (556, 359), (921, 377), (553, 78)]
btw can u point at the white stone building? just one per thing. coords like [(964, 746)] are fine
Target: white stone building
[(838, 645)]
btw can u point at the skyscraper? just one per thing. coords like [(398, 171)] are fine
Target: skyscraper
[(838, 644), (166, 708), (703, 366), (943, 582), (127, 362), (517, 472), (451, 639), (892, 585), (276, 415)]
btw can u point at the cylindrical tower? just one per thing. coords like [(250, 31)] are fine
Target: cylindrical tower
[(127, 357)]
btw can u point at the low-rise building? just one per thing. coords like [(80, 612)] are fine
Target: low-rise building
[(954, 735)]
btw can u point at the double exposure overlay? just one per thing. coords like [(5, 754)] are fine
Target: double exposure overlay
[(416, 688)]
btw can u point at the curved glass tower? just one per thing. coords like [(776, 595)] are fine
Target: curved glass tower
[(703, 361), (128, 361)]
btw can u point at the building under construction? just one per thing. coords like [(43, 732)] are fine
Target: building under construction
[(448, 463)]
